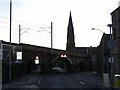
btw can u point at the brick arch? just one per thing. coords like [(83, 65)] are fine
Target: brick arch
[(65, 60), (31, 66)]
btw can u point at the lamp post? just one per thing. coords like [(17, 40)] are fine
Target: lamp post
[(106, 78), (111, 58), (111, 73), (103, 34)]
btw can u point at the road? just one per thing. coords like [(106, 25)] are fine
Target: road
[(25, 82), (71, 80), (64, 80)]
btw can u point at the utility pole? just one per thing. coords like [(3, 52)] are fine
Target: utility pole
[(10, 41), (51, 38), (51, 32), (22, 32), (19, 33), (51, 45)]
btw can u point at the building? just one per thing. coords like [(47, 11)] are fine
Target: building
[(116, 37)]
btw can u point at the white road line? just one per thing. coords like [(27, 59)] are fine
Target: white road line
[(39, 81), (81, 82)]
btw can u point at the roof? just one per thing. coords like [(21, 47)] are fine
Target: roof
[(28, 47), (115, 10)]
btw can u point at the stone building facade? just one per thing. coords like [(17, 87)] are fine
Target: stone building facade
[(116, 37)]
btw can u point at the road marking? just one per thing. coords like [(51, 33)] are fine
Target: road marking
[(49, 80), (81, 82), (39, 81)]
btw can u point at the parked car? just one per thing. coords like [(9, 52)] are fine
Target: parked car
[(56, 69), (117, 81)]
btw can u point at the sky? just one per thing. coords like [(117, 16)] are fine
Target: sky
[(37, 15)]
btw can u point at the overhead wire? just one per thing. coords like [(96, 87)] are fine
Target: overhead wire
[(21, 22), (16, 26), (8, 23)]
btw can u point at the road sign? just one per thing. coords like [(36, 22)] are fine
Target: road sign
[(19, 55), (37, 60), (63, 55)]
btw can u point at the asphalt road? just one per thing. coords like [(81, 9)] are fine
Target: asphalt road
[(71, 80), (25, 82)]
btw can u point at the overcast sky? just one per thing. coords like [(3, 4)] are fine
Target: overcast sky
[(37, 14)]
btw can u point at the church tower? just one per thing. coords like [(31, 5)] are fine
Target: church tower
[(70, 35)]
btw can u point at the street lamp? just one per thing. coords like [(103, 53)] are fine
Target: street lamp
[(111, 74), (106, 78), (98, 30), (111, 58)]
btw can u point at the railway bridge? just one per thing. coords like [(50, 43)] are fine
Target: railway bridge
[(48, 58)]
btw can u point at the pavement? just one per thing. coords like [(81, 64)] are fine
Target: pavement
[(29, 81)]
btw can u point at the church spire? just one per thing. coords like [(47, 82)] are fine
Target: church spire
[(70, 35)]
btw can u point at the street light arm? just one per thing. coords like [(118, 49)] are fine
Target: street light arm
[(97, 29)]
